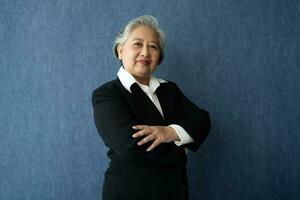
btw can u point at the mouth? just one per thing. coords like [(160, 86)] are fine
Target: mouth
[(143, 62)]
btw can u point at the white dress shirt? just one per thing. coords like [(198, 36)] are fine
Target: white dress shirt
[(127, 80)]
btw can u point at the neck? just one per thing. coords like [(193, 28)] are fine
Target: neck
[(144, 81)]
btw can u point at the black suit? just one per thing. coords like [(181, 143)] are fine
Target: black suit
[(134, 173)]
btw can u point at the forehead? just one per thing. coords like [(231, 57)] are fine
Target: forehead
[(143, 33)]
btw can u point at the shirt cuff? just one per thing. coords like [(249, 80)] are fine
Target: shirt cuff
[(184, 137)]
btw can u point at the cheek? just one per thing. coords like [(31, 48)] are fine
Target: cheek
[(127, 59), (156, 57), (131, 55)]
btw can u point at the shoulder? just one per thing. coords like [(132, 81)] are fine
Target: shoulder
[(169, 86), (107, 87), (107, 90)]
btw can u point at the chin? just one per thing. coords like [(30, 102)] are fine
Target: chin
[(143, 70)]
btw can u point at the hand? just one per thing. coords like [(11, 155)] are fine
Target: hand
[(157, 134)]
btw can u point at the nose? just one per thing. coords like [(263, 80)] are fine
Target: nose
[(145, 51)]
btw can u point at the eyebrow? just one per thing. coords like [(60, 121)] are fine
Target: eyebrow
[(140, 39)]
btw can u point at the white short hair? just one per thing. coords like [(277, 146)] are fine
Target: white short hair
[(145, 20)]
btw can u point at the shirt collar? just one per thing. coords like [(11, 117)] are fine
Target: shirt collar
[(127, 80)]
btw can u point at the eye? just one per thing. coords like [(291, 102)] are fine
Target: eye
[(137, 44), (152, 46)]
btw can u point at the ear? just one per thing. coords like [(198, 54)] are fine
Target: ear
[(120, 50)]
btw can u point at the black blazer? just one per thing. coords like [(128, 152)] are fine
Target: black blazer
[(135, 173)]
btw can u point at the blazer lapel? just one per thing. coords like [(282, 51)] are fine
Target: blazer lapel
[(144, 103), (166, 100), (142, 106)]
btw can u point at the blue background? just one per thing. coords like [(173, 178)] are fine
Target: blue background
[(237, 59)]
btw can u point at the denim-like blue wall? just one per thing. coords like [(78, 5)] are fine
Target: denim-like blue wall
[(237, 59)]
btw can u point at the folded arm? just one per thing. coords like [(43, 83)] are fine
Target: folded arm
[(114, 121)]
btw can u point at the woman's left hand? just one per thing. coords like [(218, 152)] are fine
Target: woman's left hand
[(157, 134)]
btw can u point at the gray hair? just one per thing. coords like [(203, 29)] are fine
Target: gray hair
[(145, 20)]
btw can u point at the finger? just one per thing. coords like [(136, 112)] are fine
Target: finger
[(142, 133), (153, 145), (140, 127), (146, 139)]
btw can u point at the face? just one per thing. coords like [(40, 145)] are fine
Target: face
[(140, 53)]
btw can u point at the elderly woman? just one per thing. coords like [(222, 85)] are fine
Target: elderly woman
[(146, 122)]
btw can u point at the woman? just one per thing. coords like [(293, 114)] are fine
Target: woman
[(146, 122)]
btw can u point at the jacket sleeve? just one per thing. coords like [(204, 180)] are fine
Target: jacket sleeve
[(114, 121), (195, 121)]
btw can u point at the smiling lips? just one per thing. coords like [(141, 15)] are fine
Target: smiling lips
[(144, 62)]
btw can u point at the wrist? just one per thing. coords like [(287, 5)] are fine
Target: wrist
[(174, 134)]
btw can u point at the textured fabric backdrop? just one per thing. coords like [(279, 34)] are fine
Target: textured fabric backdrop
[(239, 59)]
